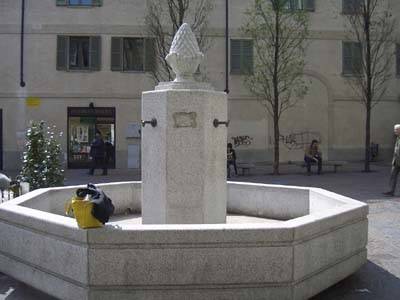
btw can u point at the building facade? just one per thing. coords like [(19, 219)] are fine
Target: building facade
[(86, 63)]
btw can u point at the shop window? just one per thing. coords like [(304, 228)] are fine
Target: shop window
[(83, 123)]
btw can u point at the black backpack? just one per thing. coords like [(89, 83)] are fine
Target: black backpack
[(102, 205)]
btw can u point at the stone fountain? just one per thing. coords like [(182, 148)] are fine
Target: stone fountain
[(184, 155), (191, 234)]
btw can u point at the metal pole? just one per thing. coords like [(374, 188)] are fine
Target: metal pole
[(227, 46), (22, 82)]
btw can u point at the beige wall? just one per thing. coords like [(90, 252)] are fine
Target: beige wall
[(330, 108)]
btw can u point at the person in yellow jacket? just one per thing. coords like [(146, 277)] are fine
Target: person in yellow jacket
[(395, 163)]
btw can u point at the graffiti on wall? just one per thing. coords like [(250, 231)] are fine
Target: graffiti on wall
[(241, 140), (298, 140)]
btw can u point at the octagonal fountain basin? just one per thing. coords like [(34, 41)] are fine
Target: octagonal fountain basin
[(279, 242)]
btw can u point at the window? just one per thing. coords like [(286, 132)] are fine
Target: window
[(308, 5), (352, 7), (241, 56), (83, 123), (352, 58), (132, 54), (398, 59), (78, 53), (79, 2)]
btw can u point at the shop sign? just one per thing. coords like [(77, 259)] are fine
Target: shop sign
[(91, 112)]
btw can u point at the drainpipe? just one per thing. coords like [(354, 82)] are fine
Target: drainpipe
[(22, 82), (227, 46)]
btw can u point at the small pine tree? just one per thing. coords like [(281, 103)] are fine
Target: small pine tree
[(42, 157)]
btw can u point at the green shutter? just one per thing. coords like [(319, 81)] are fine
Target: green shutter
[(97, 2), (149, 55), (247, 57), (235, 56), (350, 7), (347, 65), (61, 2), (62, 52), (116, 53), (347, 6), (357, 58), (352, 58), (95, 53), (309, 5)]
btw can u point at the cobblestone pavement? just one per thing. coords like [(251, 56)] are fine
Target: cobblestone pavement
[(378, 279)]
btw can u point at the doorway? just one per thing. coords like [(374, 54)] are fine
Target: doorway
[(83, 123)]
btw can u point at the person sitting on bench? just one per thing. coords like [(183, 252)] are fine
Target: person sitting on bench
[(313, 155)]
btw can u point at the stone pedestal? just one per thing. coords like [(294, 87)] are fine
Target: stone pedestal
[(184, 156)]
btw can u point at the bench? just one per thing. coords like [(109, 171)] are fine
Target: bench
[(245, 167), (329, 163)]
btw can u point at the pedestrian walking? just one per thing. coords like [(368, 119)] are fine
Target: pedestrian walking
[(395, 163), (97, 154)]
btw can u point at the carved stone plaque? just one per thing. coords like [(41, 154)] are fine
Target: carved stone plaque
[(184, 119)]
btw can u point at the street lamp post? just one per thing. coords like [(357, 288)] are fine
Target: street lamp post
[(22, 82), (227, 46)]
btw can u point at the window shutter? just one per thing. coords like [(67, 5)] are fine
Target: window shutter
[(116, 53), (350, 7), (398, 59), (62, 52), (295, 5), (247, 57), (149, 55), (235, 56), (309, 5), (357, 58), (97, 2), (347, 6), (95, 53), (61, 2), (347, 67)]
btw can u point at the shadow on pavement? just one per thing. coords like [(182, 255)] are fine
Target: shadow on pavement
[(11, 289), (371, 282)]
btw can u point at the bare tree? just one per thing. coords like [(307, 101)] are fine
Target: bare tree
[(164, 18), (279, 36), (371, 25)]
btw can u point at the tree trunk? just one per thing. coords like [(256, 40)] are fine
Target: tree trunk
[(369, 96), (275, 81), (276, 145), (367, 139)]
